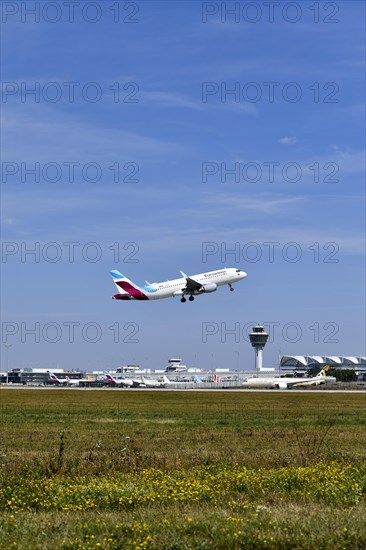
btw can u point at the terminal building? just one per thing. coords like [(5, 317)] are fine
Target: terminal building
[(37, 376), (304, 363)]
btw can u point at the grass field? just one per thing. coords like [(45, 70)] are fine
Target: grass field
[(150, 469)]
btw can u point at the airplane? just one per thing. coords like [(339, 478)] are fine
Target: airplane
[(150, 383), (202, 283), (286, 383), (132, 382), (166, 382), (63, 381), (128, 382)]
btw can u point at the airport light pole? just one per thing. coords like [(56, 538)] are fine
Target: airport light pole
[(258, 339), (7, 361)]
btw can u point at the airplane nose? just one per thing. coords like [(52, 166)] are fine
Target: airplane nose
[(243, 274)]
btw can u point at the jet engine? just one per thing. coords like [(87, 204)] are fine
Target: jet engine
[(208, 288), (281, 386)]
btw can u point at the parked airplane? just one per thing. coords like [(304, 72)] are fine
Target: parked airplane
[(151, 383), (119, 381), (185, 286), (286, 383), (166, 382), (63, 381)]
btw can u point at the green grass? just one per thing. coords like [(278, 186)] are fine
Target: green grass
[(285, 527), (131, 469)]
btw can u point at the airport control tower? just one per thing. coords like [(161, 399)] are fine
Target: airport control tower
[(258, 339)]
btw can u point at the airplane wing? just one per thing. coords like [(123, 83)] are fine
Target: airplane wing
[(191, 284), (303, 383)]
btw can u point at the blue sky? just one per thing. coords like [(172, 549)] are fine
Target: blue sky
[(227, 135)]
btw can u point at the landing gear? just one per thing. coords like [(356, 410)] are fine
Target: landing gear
[(191, 298), (231, 288)]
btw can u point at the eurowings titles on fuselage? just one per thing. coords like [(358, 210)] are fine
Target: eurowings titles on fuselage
[(191, 286)]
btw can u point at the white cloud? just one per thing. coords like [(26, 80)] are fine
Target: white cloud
[(168, 99), (41, 133), (262, 204), (288, 140)]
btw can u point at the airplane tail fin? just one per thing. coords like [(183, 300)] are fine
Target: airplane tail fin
[(109, 377), (127, 290), (323, 372), (122, 283), (197, 379), (217, 378)]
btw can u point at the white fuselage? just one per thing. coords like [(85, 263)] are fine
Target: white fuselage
[(282, 382), (167, 289)]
